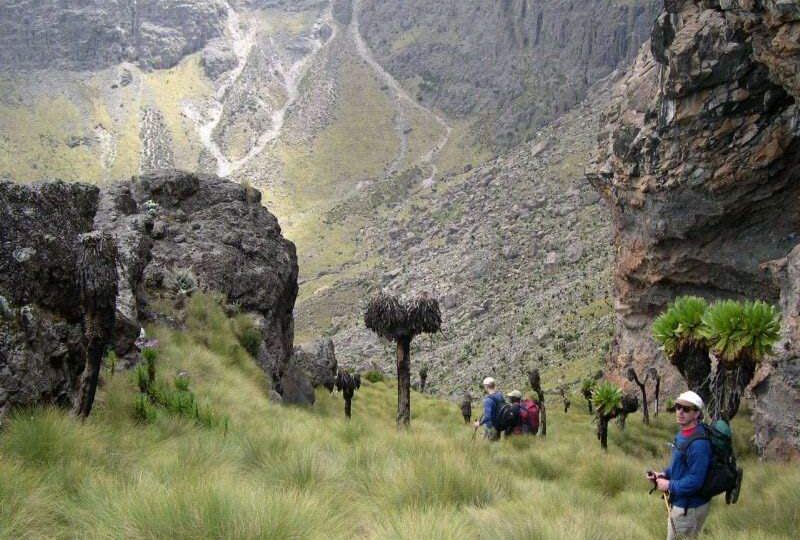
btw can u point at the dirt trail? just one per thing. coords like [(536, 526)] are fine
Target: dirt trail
[(402, 99)]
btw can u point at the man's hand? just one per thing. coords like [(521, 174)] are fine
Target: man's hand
[(476, 423), (662, 484)]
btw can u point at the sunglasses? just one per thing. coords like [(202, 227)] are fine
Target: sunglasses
[(684, 408)]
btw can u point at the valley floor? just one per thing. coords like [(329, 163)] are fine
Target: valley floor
[(273, 472)]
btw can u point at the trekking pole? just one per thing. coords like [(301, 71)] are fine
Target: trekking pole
[(669, 514), (475, 431), (666, 503)]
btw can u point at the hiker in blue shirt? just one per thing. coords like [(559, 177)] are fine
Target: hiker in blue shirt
[(491, 403), (687, 470)]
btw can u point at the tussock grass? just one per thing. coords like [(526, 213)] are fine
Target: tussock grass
[(307, 473)]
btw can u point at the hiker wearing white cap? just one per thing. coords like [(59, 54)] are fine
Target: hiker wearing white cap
[(491, 403), (683, 478), (515, 397)]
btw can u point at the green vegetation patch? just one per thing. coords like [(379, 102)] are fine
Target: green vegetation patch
[(284, 472)]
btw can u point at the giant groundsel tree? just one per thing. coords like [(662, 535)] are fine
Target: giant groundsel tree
[(677, 330), (97, 281), (737, 334), (630, 373), (400, 320), (535, 381), (607, 400)]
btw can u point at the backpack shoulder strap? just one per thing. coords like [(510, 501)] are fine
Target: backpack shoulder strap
[(698, 435)]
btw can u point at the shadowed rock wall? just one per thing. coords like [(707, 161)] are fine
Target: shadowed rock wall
[(517, 64), (700, 162), (94, 34), (42, 338)]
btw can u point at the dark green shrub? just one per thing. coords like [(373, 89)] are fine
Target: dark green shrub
[(182, 382), (250, 338), (142, 379), (143, 409), (149, 354), (111, 362), (374, 376)]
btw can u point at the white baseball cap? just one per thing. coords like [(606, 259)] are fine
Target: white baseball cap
[(515, 394), (488, 381), (691, 399)]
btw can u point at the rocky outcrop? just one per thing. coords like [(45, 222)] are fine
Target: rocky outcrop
[(318, 361), (95, 34), (172, 226), (776, 386), (44, 231), (310, 367), (172, 232), (700, 160), (516, 64)]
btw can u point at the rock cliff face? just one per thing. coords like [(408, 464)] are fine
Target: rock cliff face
[(776, 387), (517, 63), (171, 223), (42, 317), (170, 228), (700, 162), (37, 34)]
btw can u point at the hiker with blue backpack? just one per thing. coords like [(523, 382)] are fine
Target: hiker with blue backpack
[(702, 466), (491, 404)]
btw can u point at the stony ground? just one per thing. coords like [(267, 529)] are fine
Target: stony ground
[(517, 249)]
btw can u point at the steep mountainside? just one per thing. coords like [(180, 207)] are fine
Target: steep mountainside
[(508, 67), (517, 249), (307, 103), (700, 164), (96, 34)]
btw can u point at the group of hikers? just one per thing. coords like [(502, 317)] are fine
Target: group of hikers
[(697, 471), (516, 417)]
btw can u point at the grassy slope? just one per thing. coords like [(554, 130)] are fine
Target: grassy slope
[(294, 473), (36, 121)]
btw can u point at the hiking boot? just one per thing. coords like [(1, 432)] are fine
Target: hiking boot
[(732, 495)]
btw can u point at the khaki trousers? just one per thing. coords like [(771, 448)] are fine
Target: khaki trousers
[(686, 523)]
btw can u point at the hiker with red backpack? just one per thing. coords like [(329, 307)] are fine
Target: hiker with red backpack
[(516, 417), (491, 404), (528, 423)]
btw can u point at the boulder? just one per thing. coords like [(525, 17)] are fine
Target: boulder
[(318, 362), (43, 233), (295, 387), (259, 273)]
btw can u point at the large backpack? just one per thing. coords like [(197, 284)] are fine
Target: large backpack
[(529, 416), (723, 475), (506, 416)]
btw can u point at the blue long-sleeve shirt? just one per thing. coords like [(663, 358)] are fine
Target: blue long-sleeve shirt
[(687, 470), (490, 405)]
